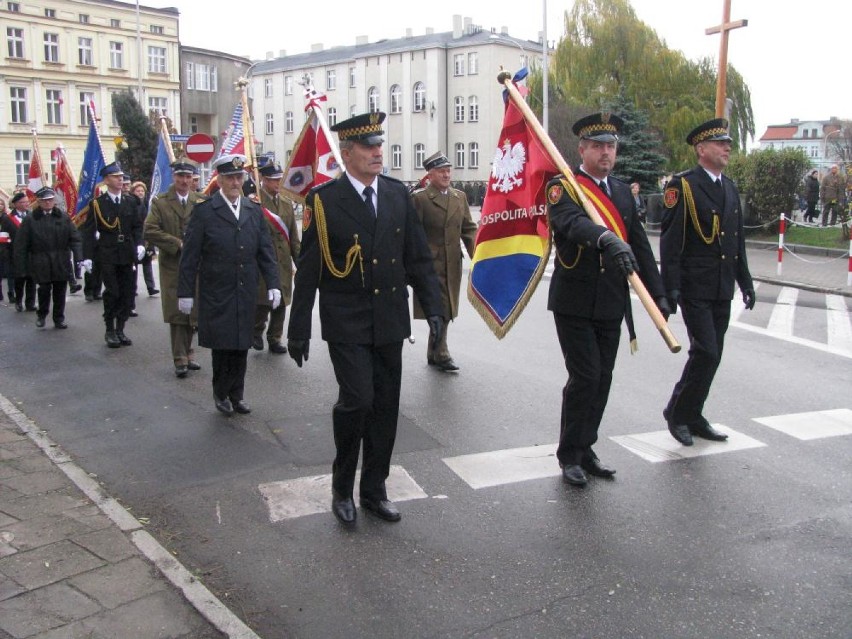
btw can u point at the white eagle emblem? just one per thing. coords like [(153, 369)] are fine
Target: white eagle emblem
[(508, 163)]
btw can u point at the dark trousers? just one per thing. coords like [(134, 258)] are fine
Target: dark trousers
[(25, 288), (118, 291), (92, 282), (56, 291), (810, 214), (706, 323), (832, 207), (590, 348), (367, 409), (276, 322), (229, 374), (148, 273)]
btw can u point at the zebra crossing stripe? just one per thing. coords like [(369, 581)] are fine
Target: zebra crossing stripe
[(660, 446), (509, 466), (839, 324), (784, 312), (812, 425)]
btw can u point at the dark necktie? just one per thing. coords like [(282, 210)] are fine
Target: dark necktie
[(368, 199), (604, 188)]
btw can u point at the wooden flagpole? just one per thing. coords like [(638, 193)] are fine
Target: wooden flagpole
[(248, 134), (505, 78), (44, 175), (167, 140)]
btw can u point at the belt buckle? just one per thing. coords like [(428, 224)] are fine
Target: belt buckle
[(120, 237)]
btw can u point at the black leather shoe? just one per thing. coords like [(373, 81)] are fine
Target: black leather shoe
[(19, 307), (431, 361), (704, 430), (153, 292), (89, 297), (181, 371), (122, 338), (112, 339), (257, 343), (381, 508), (75, 288), (31, 309), (679, 431), (133, 313), (193, 366), (447, 365), (40, 322), (224, 406), (343, 508), (241, 407), (60, 324), (277, 347), (594, 467), (574, 475)]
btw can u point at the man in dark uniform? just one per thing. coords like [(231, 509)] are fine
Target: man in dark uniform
[(285, 238), (25, 288), (446, 220), (112, 236), (588, 291), (226, 249), (361, 245), (702, 255)]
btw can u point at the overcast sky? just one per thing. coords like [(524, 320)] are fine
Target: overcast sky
[(791, 56)]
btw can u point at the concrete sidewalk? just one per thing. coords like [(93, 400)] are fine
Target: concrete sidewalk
[(75, 564)]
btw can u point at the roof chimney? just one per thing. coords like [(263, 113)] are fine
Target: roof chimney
[(269, 55), (316, 48), (360, 41), (504, 31), (430, 30), (282, 53), (457, 27), (409, 33), (468, 24)]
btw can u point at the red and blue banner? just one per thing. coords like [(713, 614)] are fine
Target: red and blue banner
[(513, 241)]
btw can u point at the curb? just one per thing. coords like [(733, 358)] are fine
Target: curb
[(198, 595)]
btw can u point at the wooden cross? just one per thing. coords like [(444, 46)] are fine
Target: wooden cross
[(722, 78)]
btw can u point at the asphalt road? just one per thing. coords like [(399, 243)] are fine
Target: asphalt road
[(749, 542)]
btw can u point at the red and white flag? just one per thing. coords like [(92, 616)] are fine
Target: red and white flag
[(65, 184), (234, 135), (34, 177)]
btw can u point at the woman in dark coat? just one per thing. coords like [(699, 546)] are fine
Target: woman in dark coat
[(5, 255), (811, 195)]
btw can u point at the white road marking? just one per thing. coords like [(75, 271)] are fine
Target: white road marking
[(813, 425), (303, 496), (817, 346), (783, 312), (482, 470), (660, 446), (839, 324)]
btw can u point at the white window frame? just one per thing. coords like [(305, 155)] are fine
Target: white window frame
[(158, 104), (267, 87), (288, 122), (419, 154), (288, 85), (396, 99), (331, 116), (373, 102), (156, 59), (459, 164), (458, 64), (270, 124), (331, 80), (473, 109), (115, 23), (85, 52), (458, 109), (473, 151), (116, 54), (353, 73), (22, 166), (51, 47), (86, 98), (158, 29), (83, 18), (396, 156), (53, 105), (18, 104), (193, 124), (15, 42), (473, 63), (419, 93)]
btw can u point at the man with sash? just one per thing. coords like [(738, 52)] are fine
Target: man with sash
[(24, 285), (588, 294), (702, 255), (278, 211)]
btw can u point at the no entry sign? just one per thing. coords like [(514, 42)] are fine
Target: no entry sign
[(200, 147)]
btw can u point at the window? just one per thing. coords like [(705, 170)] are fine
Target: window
[(419, 154), (459, 155), (157, 29), (351, 77), (50, 13), (18, 98), (156, 59), (270, 126), (84, 52), (15, 41), (459, 109), (523, 60), (115, 23), (116, 55), (396, 99), (86, 99), (288, 85), (267, 87), (331, 80), (473, 108), (458, 64), (51, 47), (14, 7), (373, 99), (288, 122), (157, 105), (53, 103), (804, 133), (193, 124), (332, 116), (419, 96), (472, 63), (84, 18), (396, 156), (352, 111), (22, 166), (474, 155), (205, 77)]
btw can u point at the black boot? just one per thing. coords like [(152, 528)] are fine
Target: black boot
[(119, 333), (110, 337)]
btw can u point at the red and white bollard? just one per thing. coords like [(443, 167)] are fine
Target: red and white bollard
[(782, 227)]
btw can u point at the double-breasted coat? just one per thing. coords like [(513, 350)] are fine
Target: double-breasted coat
[(703, 256), (286, 247), (447, 222), (227, 258), (165, 227), (370, 304), (45, 244)]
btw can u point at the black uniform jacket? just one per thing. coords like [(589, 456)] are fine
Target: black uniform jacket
[(703, 263), (45, 243), (585, 282), (369, 307), (114, 238), (227, 257)]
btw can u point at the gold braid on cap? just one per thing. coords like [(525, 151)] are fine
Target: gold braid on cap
[(359, 130), (708, 133), (689, 206), (597, 128), (351, 255)]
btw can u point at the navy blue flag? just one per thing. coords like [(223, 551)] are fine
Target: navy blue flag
[(161, 180), (90, 172)]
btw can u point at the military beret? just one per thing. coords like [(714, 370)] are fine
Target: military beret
[(436, 161), (364, 129), (715, 130), (600, 127), (20, 195)]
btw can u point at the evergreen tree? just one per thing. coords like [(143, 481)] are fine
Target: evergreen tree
[(639, 159), (140, 152)]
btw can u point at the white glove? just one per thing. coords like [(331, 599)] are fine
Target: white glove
[(275, 297), (140, 252), (86, 265), (185, 305)]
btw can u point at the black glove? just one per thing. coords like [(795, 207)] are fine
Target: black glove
[(298, 349), (663, 305), (436, 329), (674, 298), (749, 298), (619, 252)]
